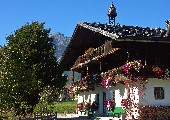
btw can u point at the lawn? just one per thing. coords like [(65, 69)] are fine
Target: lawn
[(59, 107)]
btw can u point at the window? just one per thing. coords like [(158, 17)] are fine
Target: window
[(159, 92)]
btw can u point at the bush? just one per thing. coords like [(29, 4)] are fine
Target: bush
[(7, 115)]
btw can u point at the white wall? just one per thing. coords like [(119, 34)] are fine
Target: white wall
[(149, 92), (82, 97), (109, 94), (120, 93), (134, 95)]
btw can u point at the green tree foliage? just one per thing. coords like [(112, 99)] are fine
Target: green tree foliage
[(27, 65)]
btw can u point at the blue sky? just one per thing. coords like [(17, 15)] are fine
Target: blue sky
[(63, 15)]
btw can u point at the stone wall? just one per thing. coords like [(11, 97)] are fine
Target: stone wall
[(155, 113)]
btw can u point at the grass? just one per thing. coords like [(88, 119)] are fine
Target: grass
[(59, 107), (64, 107)]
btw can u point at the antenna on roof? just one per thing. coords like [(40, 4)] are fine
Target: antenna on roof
[(112, 14)]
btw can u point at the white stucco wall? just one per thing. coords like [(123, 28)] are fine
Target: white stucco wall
[(119, 89), (108, 92), (149, 92), (93, 96), (120, 93), (134, 95)]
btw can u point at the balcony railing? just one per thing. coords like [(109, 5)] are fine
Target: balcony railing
[(94, 54)]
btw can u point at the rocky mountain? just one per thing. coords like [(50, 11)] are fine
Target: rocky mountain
[(61, 43)]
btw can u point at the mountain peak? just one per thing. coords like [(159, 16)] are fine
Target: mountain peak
[(61, 42)]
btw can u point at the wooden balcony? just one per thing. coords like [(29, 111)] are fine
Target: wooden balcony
[(92, 55)]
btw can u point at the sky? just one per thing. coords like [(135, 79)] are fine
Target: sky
[(63, 15)]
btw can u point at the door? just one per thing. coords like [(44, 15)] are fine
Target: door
[(104, 102)]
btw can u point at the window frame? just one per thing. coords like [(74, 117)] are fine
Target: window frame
[(159, 93)]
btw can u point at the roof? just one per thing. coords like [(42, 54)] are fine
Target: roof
[(94, 34)]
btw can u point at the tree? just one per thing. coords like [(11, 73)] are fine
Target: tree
[(28, 66)]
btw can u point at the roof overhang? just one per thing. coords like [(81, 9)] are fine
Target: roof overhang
[(86, 36), (83, 37)]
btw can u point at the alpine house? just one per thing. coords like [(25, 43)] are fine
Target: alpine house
[(124, 69)]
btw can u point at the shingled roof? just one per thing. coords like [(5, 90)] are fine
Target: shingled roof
[(94, 34), (125, 32)]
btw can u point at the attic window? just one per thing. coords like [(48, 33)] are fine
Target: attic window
[(159, 92)]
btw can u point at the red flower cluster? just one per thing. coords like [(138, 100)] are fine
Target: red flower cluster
[(89, 50), (136, 65), (107, 81), (126, 103), (110, 105), (157, 70), (81, 106)]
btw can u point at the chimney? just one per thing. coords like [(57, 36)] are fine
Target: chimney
[(167, 28)]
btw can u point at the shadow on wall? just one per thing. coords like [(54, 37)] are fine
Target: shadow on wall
[(121, 89)]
